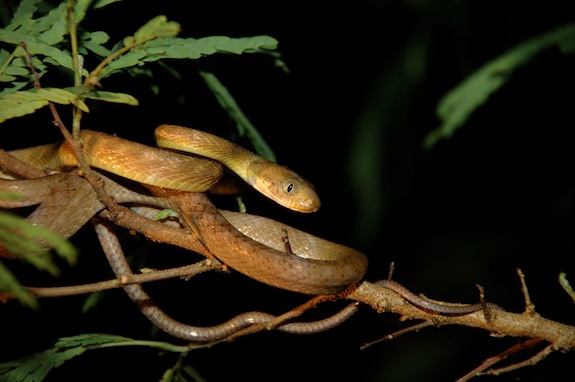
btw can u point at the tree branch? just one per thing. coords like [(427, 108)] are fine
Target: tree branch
[(501, 323), (185, 272)]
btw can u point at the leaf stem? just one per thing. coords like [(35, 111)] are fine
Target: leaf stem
[(153, 344), (96, 72), (72, 29)]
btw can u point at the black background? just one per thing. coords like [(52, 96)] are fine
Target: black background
[(360, 97)]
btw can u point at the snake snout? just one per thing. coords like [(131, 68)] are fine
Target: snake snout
[(309, 204)]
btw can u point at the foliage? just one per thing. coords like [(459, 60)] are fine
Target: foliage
[(459, 103), (34, 44), (37, 366), (15, 235), (52, 42)]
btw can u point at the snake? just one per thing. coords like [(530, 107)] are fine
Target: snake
[(252, 245)]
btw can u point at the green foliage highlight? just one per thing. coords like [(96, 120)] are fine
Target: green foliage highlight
[(23, 239), (20, 103), (43, 38), (36, 367), (188, 48), (566, 286), (159, 26), (24, 102), (243, 124), (29, 242), (460, 102), (35, 43), (9, 284), (112, 97)]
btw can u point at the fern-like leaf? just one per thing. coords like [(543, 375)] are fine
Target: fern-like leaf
[(460, 102), (19, 103), (189, 48), (112, 97)]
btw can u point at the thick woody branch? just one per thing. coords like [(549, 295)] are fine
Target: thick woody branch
[(500, 322)]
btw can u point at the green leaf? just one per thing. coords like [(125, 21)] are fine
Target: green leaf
[(460, 102), (23, 14), (102, 3), (63, 97), (99, 37), (112, 97), (189, 48), (54, 18), (36, 367), (91, 301), (36, 47), (566, 286), (6, 78), (159, 26), (193, 373), (52, 27), (132, 58), (79, 10), (10, 285), (90, 339), (16, 71), (22, 63), (24, 240), (20, 103), (244, 126), (165, 214), (100, 50)]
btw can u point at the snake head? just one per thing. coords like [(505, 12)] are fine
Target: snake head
[(284, 186)]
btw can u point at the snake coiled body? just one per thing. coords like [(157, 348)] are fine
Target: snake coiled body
[(250, 244)]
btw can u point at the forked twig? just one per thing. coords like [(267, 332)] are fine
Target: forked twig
[(528, 362), (413, 328), (527, 344)]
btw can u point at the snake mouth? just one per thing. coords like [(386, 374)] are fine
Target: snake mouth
[(310, 205)]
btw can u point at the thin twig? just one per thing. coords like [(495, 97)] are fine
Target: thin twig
[(528, 362), (412, 328), (498, 358), (296, 312), (185, 272), (15, 166), (529, 306), (31, 66), (391, 269), (104, 197), (485, 309)]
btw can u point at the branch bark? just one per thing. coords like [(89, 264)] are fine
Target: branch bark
[(528, 324)]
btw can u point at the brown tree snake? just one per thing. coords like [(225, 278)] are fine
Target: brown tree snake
[(164, 178)]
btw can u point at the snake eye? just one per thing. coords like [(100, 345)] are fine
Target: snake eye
[(289, 187)]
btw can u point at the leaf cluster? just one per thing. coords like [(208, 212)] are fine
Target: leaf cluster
[(459, 103), (38, 42), (37, 366), (53, 41)]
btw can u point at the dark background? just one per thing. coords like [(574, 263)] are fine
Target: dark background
[(351, 117)]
